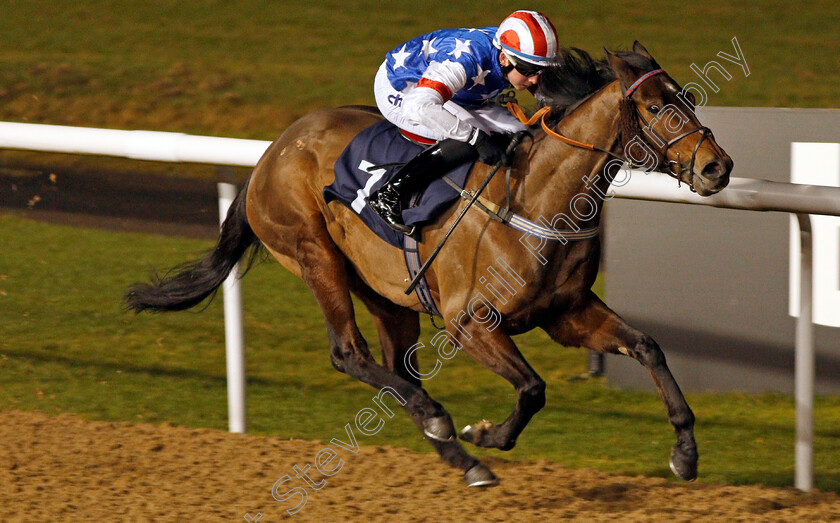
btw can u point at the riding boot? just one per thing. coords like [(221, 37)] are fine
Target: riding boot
[(435, 161)]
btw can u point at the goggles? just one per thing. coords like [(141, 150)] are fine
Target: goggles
[(524, 68), (527, 68)]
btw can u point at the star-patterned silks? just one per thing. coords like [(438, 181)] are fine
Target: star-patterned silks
[(461, 46), (400, 57), (491, 94), (428, 48), (479, 77), (469, 51)]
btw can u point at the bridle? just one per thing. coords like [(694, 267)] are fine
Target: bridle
[(704, 131)]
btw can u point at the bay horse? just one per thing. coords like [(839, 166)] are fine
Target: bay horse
[(610, 107)]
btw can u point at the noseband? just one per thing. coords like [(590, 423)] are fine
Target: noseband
[(703, 130)]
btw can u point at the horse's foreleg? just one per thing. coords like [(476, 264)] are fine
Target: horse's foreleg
[(399, 329), (496, 351), (595, 326)]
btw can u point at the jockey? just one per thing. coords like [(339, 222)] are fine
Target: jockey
[(438, 87)]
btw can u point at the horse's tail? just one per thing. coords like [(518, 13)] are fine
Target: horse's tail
[(187, 285)]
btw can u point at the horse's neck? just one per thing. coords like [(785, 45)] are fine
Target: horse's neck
[(559, 172)]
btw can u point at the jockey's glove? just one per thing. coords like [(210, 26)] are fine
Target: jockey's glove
[(490, 149)]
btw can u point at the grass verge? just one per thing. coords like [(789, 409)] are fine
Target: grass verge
[(67, 346)]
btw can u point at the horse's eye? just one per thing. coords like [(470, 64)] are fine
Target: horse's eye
[(653, 109)]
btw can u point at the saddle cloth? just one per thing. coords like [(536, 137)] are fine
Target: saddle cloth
[(357, 175)]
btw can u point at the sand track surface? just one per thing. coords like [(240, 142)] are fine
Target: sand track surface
[(66, 468)]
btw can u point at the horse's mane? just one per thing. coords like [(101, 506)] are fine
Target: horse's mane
[(578, 75)]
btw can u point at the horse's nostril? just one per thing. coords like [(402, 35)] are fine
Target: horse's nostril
[(713, 169), (728, 164)]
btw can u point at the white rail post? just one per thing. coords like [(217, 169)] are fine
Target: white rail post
[(234, 333), (805, 364)]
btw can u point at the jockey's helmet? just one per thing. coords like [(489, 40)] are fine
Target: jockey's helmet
[(527, 36)]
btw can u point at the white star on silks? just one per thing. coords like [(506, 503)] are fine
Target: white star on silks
[(461, 46), (399, 58), (478, 79), (428, 48)]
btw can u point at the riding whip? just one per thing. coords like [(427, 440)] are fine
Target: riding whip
[(514, 141)]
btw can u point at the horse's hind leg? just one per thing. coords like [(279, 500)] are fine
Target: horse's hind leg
[(323, 270), (597, 327), (399, 330)]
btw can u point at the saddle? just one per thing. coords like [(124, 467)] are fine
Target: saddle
[(369, 161)]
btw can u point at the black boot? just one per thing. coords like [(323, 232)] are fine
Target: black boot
[(435, 161)]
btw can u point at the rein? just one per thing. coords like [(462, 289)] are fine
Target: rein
[(543, 112), (541, 115)]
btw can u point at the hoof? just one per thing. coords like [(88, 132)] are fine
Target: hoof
[(439, 429), (480, 476), (476, 433), (480, 434), (683, 464)]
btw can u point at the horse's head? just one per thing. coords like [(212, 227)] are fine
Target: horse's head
[(658, 120)]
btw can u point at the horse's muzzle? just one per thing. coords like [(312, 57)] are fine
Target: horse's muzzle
[(712, 177)]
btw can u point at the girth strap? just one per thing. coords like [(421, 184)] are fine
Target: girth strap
[(520, 223), (413, 263)]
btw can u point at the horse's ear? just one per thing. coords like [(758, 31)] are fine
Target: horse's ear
[(618, 65), (639, 48), (622, 69)]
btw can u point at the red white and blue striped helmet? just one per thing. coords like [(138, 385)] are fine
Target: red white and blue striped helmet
[(528, 36)]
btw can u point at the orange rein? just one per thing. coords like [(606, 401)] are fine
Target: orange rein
[(540, 115)]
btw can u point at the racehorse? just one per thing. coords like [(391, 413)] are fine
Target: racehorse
[(611, 108)]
